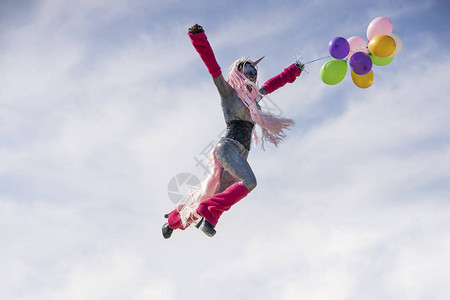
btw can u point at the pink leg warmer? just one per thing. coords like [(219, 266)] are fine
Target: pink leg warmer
[(174, 220), (212, 208)]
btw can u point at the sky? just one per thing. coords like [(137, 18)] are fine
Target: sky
[(104, 103)]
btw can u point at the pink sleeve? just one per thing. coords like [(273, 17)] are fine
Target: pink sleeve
[(201, 44), (288, 75)]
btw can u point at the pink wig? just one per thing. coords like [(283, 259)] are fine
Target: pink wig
[(272, 127)]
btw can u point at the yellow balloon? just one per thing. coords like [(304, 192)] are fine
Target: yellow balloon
[(382, 45), (363, 81)]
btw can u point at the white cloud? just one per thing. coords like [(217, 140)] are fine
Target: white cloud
[(352, 205)]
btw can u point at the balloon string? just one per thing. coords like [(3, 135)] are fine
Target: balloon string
[(316, 59), (352, 50)]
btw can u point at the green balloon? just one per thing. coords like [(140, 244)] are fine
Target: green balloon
[(333, 71), (380, 61)]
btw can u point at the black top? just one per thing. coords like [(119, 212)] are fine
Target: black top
[(240, 131)]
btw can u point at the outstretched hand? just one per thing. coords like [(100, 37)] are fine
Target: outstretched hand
[(300, 66), (195, 29)]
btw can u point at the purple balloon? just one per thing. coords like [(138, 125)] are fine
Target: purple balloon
[(339, 47), (360, 63)]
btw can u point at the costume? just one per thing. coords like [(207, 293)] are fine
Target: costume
[(231, 177)]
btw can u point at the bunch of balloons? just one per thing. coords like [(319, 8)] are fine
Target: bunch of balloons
[(380, 49)]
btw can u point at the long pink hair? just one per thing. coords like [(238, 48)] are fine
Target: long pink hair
[(272, 127)]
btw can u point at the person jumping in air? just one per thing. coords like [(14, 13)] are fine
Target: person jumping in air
[(231, 177)]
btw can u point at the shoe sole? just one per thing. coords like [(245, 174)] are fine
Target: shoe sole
[(205, 230), (210, 234), (168, 232)]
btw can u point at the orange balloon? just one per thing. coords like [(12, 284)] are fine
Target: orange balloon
[(382, 45), (363, 81)]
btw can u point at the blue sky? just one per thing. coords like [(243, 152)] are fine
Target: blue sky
[(103, 102)]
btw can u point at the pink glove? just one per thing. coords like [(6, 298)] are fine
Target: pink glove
[(288, 75), (201, 44)]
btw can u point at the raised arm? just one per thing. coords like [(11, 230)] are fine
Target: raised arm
[(287, 76), (202, 46)]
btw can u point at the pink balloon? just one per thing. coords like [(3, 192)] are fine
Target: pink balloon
[(357, 44), (378, 26)]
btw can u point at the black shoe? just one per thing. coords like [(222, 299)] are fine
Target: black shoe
[(206, 227), (166, 231)]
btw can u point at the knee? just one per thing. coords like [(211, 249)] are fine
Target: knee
[(250, 183)]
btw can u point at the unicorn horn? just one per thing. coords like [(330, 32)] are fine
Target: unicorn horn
[(256, 62)]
